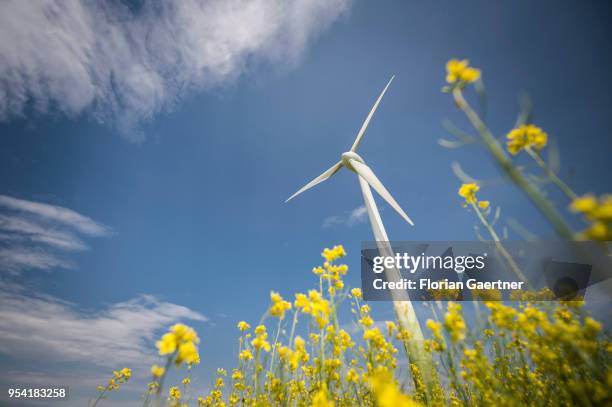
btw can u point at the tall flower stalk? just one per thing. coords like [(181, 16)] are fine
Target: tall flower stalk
[(457, 84)]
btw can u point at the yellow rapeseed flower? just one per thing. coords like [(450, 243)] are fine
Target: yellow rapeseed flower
[(157, 371), (260, 341), (486, 294), (468, 191), (460, 72), (584, 204), (117, 379), (279, 306), (246, 355), (237, 375), (301, 301), (187, 353), (321, 399), (484, 204), (387, 391), (526, 135), (126, 373), (174, 393), (597, 231), (604, 210), (167, 344), (366, 321), (318, 270), (596, 211), (181, 340), (352, 376), (243, 326), (454, 323), (436, 330), (184, 333), (333, 254)]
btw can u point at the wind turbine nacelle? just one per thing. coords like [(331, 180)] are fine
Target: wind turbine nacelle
[(348, 156)]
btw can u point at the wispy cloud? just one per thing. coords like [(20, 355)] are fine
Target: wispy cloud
[(357, 215), (42, 327), (350, 218), (56, 214), (15, 259), (333, 221), (35, 235), (128, 63)]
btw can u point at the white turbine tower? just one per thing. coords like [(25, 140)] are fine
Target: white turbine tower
[(401, 302)]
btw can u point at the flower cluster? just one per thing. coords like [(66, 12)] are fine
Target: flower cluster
[(598, 212), (468, 192), (526, 136), (180, 342), (243, 326), (314, 305), (261, 339), (454, 323), (117, 379), (442, 294), (114, 383), (157, 371), (215, 396), (387, 391), (279, 306), (174, 394), (437, 342), (459, 72), (334, 253)]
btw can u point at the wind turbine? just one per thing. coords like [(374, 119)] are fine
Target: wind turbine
[(401, 302)]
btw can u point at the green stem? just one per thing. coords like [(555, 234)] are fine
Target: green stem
[(274, 345), (502, 159), (99, 397), (551, 174), (161, 379), (293, 325), (500, 247), (256, 376)]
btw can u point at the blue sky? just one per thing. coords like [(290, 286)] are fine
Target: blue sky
[(192, 188)]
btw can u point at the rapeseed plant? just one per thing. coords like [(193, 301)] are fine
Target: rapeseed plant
[(114, 383), (526, 352), (531, 139), (598, 212)]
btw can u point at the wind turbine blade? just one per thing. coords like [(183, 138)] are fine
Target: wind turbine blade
[(366, 173), (365, 124), (318, 180)]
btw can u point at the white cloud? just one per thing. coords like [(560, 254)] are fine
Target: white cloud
[(36, 235), (351, 218), (333, 221), (126, 65), (39, 327), (15, 259), (56, 214), (358, 215), (19, 229)]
